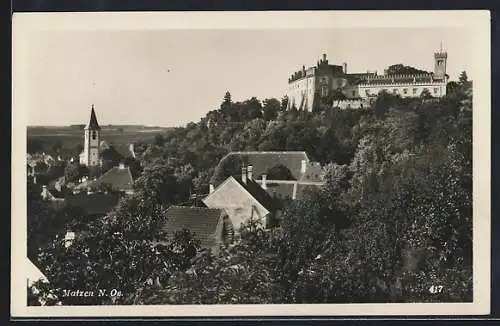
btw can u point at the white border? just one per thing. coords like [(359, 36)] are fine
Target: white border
[(478, 22)]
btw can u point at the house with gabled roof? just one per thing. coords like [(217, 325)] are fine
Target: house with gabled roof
[(243, 199), (301, 172), (118, 178), (209, 225)]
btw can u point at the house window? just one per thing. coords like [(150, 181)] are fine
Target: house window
[(436, 90), (415, 91), (405, 91), (94, 135)]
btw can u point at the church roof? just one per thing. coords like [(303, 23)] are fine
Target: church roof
[(93, 120)]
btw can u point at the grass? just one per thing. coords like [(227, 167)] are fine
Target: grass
[(70, 138)]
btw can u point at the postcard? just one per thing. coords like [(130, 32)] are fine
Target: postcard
[(193, 164)]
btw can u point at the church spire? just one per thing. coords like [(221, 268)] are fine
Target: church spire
[(93, 120)]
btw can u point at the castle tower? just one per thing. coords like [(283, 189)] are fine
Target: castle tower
[(91, 152), (440, 62)]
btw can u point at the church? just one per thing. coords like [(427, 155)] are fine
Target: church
[(311, 87), (92, 146)]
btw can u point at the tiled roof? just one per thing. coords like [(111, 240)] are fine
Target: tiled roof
[(93, 204), (262, 161), (201, 221), (258, 193), (116, 177)]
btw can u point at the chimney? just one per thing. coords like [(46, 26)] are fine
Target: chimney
[(45, 192), (250, 172), (324, 57), (244, 175), (68, 238), (345, 67), (212, 188), (303, 166), (294, 193), (264, 181)]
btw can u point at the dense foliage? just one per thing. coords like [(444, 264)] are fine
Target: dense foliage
[(393, 219)]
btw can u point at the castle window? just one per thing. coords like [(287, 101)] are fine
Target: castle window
[(353, 93), (94, 135), (405, 91), (367, 92), (394, 91), (436, 90), (415, 91)]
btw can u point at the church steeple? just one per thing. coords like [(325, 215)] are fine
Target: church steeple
[(91, 155), (93, 120)]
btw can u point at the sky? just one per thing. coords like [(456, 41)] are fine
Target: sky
[(171, 77)]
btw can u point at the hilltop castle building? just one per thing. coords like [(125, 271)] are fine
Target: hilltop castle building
[(91, 155), (313, 87)]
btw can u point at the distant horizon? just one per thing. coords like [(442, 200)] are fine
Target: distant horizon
[(171, 77)]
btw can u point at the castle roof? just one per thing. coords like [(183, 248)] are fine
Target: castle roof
[(93, 120), (201, 221)]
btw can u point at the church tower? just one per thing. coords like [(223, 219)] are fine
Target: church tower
[(440, 62), (91, 151)]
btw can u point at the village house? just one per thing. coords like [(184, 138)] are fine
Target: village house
[(243, 199), (295, 173), (211, 226), (117, 178)]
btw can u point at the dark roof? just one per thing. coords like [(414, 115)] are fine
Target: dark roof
[(93, 120), (201, 221), (262, 161), (116, 177), (93, 204), (258, 193)]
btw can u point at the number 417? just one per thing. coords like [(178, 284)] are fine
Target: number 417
[(436, 289)]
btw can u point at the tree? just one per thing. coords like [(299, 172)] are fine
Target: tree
[(74, 171), (159, 140), (400, 69), (463, 79), (279, 172), (271, 109)]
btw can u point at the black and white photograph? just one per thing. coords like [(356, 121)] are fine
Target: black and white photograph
[(260, 160)]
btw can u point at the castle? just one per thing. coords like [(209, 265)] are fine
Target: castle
[(318, 86)]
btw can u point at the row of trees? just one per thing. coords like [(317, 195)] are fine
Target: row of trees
[(393, 219)]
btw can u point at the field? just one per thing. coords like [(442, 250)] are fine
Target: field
[(67, 141)]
